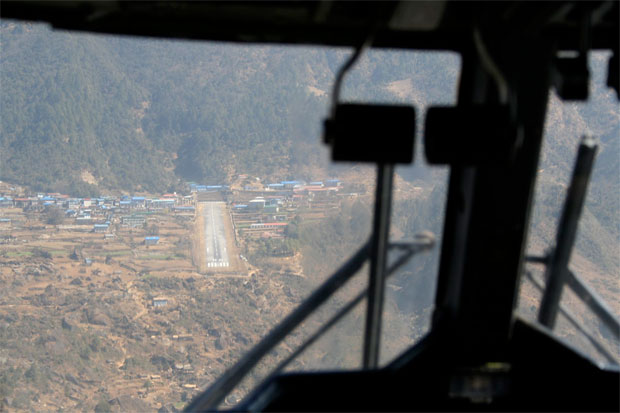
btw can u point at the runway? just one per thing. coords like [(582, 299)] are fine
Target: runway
[(215, 236)]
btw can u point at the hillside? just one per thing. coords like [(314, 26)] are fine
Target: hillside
[(82, 113)]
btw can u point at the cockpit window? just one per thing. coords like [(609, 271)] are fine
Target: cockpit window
[(164, 204), (595, 254)]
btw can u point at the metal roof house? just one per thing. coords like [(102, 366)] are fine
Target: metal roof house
[(133, 221), (100, 228), (163, 203), (333, 182), (151, 240), (160, 301), (6, 202)]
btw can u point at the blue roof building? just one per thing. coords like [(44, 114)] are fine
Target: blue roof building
[(160, 302), (185, 208), (163, 203), (100, 227), (151, 240), (6, 202)]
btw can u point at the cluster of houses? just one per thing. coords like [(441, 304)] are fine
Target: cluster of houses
[(97, 214), (194, 187), (296, 186), (257, 209), (264, 210), (75, 206), (286, 193)]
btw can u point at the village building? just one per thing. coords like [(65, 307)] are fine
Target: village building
[(291, 184), (275, 187), (100, 228), (162, 203), (6, 202), (84, 220), (186, 209), (22, 202), (151, 240), (133, 221), (256, 204), (138, 202), (160, 301)]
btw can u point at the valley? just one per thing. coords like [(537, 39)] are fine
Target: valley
[(163, 204)]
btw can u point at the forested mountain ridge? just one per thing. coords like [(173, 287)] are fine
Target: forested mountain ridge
[(144, 114), (64, 113)]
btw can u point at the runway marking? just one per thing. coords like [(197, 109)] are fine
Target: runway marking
[(215, 236)]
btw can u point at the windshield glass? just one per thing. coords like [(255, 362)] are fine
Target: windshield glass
[(163, 204), (596, 254)]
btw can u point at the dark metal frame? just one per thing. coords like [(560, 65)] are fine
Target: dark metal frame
[(557, 268), (378, 264), (488, 208), (588, 296), (600, 347), (557, 273), (214, 395), (409, 251)]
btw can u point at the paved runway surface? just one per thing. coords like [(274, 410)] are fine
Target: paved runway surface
[(215, 235)]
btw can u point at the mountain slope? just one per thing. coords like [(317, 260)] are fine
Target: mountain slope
[(142, 114)]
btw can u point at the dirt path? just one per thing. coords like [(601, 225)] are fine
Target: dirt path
[(138, 298)]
